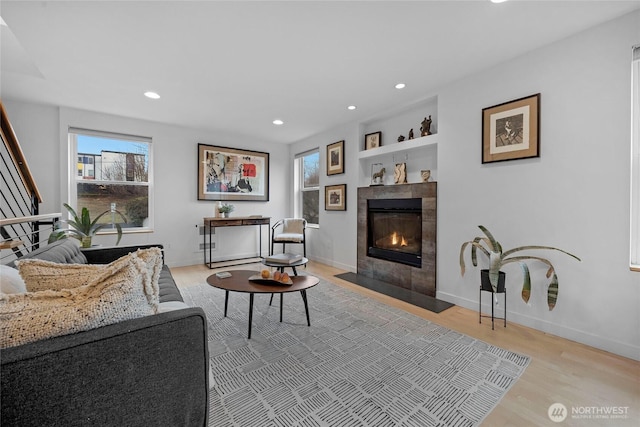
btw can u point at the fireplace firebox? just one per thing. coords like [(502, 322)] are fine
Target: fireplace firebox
[(394, 230)]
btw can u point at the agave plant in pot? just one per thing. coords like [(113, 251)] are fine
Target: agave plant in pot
[(498, 258), (83, 228)]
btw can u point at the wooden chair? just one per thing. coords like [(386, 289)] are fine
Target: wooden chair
[(292, 232)]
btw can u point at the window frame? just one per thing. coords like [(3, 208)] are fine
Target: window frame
[(73, 178), (299, 187), (634, 249)]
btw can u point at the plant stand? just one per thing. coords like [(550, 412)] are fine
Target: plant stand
[(485, 285)]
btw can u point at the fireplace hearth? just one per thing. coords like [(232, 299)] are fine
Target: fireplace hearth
[(397, 235)]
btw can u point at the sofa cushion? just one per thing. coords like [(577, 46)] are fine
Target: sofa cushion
[(117, 293), (61, 251), (168, 289), (10, 281), (164, 307), (42, 275)]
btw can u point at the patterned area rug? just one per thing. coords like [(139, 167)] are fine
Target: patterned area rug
[(360, 363)]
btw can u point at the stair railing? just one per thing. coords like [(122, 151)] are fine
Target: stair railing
[(20, 219)]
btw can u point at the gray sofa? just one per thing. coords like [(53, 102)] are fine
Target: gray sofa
[(150, 371)]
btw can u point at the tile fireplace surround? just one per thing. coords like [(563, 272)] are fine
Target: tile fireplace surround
[(421, 280)]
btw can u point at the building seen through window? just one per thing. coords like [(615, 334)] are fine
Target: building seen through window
[(112, 172)]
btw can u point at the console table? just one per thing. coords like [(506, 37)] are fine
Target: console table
[(210, 224)]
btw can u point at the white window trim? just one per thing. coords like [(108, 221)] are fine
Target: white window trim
[(634, 260), (72, 188), (298, 180)]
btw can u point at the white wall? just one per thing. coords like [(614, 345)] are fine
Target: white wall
[(42, 132), (36, 127), (333, 243), (575, 196)]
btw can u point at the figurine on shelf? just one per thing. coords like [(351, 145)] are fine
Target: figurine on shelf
[(401, 138), (411, 134), (377, 178), (425, 174), (426, 126), (400, 173)]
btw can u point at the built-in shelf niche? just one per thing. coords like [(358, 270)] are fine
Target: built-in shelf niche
[(400, 148), (420, 153)]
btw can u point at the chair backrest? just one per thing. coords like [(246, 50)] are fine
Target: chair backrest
[(294, 225)]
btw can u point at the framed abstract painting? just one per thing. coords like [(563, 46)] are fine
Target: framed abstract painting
[(226, 173)]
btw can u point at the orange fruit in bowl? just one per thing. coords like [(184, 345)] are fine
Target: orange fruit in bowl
[(277, 275), (265, 274), (284, 277)]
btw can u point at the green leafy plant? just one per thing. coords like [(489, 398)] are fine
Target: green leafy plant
[(498, 258), (83, 228), (226, 208), (137, 210)]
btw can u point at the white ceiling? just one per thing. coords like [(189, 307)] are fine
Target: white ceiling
[(235, 66)]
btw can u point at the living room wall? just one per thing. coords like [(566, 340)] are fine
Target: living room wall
[(575, 196), (42, 131)]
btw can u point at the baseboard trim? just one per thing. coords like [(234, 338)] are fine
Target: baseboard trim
[(611, 346)]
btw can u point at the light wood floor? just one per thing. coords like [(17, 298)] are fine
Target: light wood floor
[(563, 371)]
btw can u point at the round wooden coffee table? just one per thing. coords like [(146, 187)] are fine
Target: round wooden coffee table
[(239, 282)]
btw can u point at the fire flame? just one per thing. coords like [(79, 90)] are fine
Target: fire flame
[(395, 240)]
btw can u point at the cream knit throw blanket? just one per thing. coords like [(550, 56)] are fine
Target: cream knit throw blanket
[(93, 296)]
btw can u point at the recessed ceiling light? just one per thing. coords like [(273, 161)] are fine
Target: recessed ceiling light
[(498, 1), (400, 86), (152, 95), (278, 122), (351, 107)]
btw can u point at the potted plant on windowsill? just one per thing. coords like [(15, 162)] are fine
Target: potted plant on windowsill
[(498, 258), (225, 209), (83, 228)]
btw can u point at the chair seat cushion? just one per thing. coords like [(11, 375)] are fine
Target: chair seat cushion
[(293, 225), (288, 237)]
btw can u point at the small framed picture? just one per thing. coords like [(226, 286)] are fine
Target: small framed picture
[(511, 130), (335, 158), (335, 197), (372, 140)]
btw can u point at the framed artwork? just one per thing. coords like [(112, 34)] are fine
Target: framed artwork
[(335, 158), (335, 197), (372, 140), (511, 130), (232, 174)]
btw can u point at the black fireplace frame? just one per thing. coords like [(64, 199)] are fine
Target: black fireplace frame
[(412, 205)]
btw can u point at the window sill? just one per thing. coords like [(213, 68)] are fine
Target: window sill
[(125, 231), (633, 267)]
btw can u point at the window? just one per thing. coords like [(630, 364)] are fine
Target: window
[(635, 160), (307, 178), (112, 171)]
